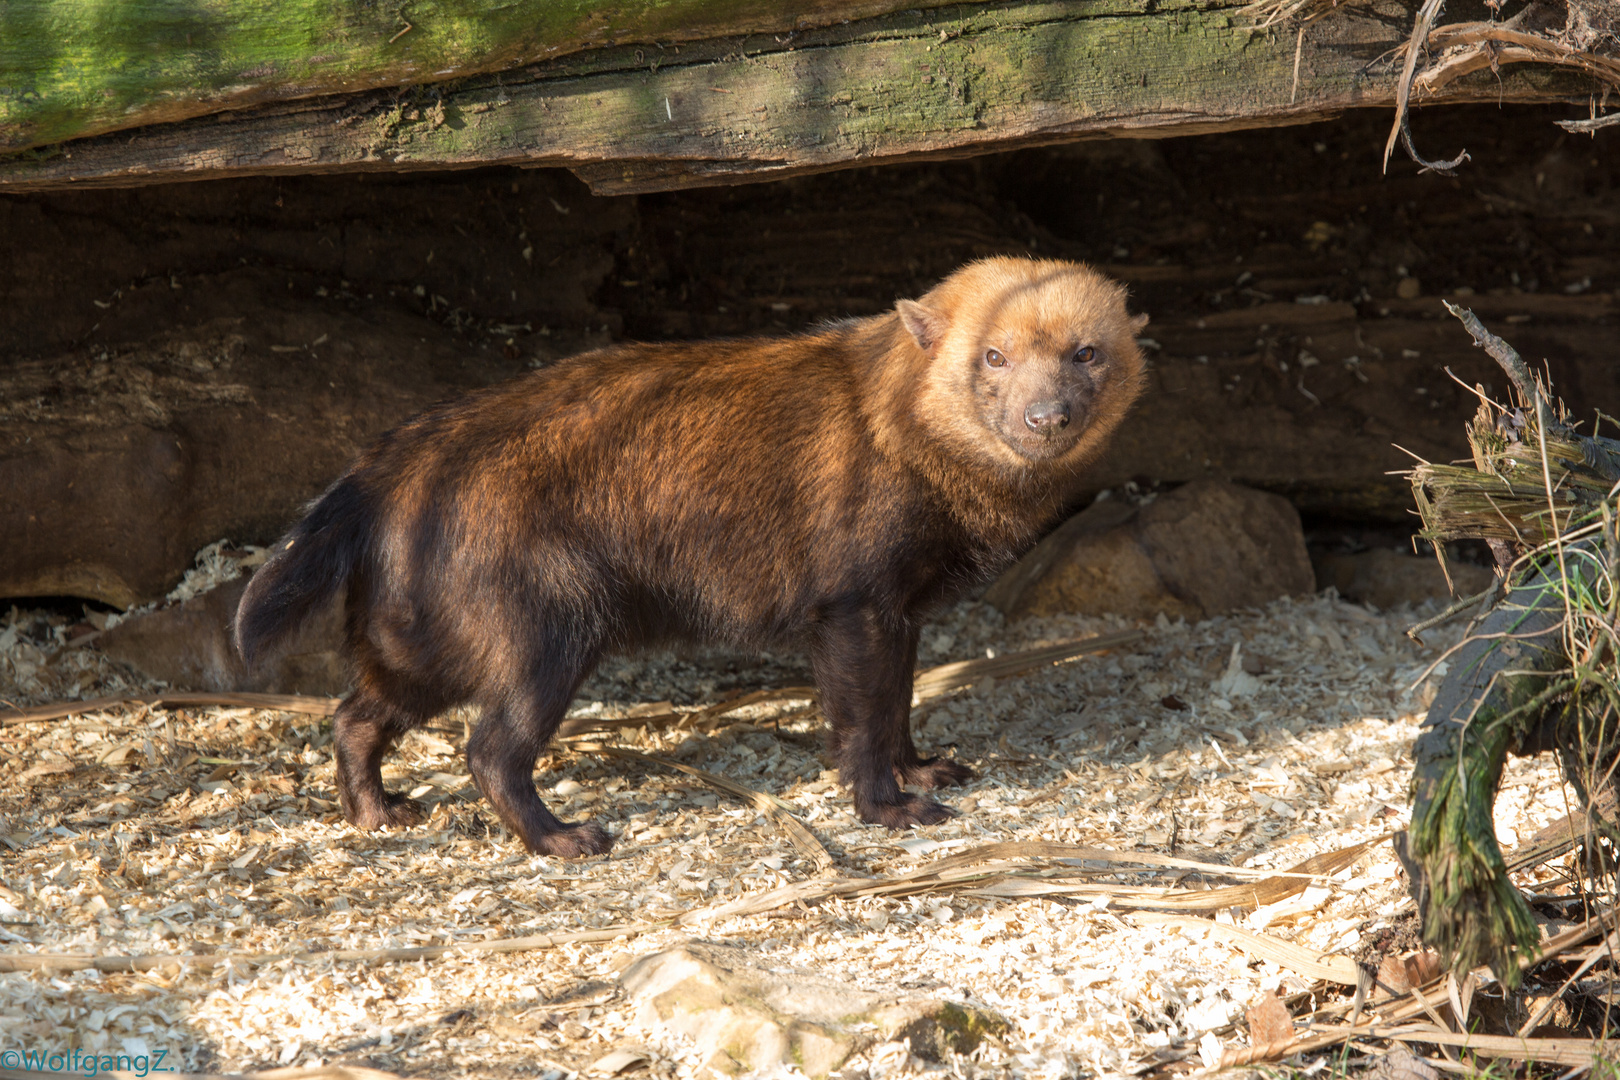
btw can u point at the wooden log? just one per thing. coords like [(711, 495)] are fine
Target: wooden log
[(1493, 701), (75, 69), (1516, 684), (913, 85)]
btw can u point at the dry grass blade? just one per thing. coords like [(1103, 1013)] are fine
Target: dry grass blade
[(1128, 897), (1559, 944), (161, 961), (1419, 1002), (947, 677), (1037, 855), (1506, 1047), (1042, 849), (1267, 891), (1018, 886), (781, 812), (314, 706), (1564, 834), (1427, 999), (930, 685), (1602, 952), (806, 892), (1306, 962), (1573, 1052), (596, 725), (759, 697), (1007, 867), (699, 719)]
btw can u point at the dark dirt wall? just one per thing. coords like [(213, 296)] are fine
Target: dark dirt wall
[(182, 363)]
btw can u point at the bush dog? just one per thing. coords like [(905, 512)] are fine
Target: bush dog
[(826, 490)]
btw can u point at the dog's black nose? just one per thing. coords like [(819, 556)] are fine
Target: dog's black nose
[(1047, 416)]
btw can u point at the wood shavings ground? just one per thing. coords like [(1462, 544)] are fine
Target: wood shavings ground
[(43, 658), (1255, 740)]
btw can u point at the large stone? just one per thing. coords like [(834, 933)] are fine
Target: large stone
[(747, 1019), (189, 647), (1388, 579), (1205, 548)]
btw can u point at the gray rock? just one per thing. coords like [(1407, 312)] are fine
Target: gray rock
[(1205, 548), (745, 1018)]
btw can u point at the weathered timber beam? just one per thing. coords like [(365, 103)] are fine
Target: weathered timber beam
[(916, 85), (70, 69)]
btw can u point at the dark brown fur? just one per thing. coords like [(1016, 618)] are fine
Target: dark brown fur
[(828, 489)]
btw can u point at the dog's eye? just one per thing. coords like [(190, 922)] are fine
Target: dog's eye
[(1085, 354), (995, 359)]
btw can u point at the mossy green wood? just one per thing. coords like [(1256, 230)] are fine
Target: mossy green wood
[(1497, 697), (71, 68), (918, 84)]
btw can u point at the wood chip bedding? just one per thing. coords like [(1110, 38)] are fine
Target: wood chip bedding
[(1255, 740)]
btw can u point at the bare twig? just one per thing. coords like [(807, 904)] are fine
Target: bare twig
[(1444, 168), (1512, 363), (1475, 46), (1589, 127), (1450, 612), (1403, 92)]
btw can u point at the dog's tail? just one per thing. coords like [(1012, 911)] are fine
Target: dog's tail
[(306, 568)]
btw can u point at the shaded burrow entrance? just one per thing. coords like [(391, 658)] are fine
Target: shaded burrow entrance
[(182, 363)]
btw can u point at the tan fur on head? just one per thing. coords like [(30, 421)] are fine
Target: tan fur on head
[(1033, 316)]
